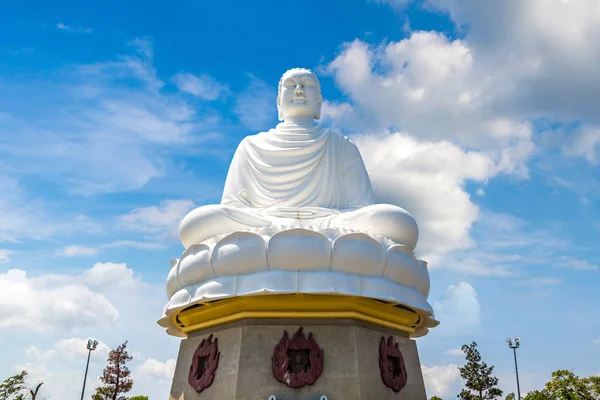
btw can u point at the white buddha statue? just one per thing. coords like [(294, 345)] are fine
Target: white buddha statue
[(298, 175)]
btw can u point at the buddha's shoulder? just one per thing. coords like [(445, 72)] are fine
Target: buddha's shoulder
[(250, 139), (344, 139)]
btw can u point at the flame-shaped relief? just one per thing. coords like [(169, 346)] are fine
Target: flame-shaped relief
[(297, 362), (204, 364), (391, 364)]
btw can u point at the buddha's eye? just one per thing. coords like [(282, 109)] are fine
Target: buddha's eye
[(289, 84)]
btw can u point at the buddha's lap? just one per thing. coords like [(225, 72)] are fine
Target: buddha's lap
[(384, 220)]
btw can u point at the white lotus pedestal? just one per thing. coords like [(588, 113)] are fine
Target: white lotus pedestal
[(298, 314)]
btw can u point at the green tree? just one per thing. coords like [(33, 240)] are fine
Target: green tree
[(593, 385), (565, 385), (537, 395), (510, 396), (139, 398), (435, 398), (480, 384), (13, 388), (116, 376)]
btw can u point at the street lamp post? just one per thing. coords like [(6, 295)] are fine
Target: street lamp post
[(91, 345), (515, 344)]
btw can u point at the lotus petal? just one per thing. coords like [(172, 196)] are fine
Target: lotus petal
[(194, 266), (298, 250), (357, 253), (402, 266), (239, 253)]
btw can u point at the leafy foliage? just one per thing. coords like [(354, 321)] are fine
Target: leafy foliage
[(13, 387), (565, 385), (116, 376), (480, 384), (139, 398), (537, 395), (435, 398), (510, 396)]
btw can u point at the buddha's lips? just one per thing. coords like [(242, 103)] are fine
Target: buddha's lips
[(299, 100)]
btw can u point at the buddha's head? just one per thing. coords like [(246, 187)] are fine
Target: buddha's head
[(299, 95)]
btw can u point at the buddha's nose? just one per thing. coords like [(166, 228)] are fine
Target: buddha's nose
[(299, 90)]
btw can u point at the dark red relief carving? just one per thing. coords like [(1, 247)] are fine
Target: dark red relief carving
[(204, 364), (391, 364), (297, 362)]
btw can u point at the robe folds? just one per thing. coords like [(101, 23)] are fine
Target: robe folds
[(293, 167)]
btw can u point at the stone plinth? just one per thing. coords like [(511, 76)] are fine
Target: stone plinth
[(350, 372)]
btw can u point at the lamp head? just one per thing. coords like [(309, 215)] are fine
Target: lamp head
[(92, 344)]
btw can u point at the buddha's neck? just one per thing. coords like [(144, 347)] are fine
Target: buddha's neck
[(298, 123)]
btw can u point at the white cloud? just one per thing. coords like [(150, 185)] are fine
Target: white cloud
[(506, 245), (50, 302), (585, 143), (430, 88), (78, 29), (110, 275), (455, 352), (59, 367), (163, 219), (544, 64), (76, 349), (441, 380), (134, 244), (76, 250), (4, 255), (459, 312), (541, 281), (575, 263), (58, 358), (152, 369), (597, 341), (144, 46), (203, 86), (427, 178), (21, 214), (482, 92)]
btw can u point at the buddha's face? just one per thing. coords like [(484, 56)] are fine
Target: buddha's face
[(299, 96)]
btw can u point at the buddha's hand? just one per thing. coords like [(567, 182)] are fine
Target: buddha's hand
[(300, 212)]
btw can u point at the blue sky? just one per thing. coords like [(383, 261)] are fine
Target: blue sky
[(118, 118)]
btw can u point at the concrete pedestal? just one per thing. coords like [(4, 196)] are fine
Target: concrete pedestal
[(351, 362)]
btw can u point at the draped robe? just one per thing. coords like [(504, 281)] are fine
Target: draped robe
[(288, 167)]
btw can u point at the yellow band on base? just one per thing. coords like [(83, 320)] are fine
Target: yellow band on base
[(218, 312)]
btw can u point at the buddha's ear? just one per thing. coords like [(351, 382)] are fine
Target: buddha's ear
[(318, 114), (279, 113)]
